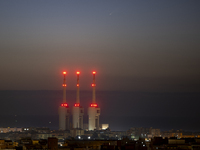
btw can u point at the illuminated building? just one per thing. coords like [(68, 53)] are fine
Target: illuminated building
[(8, 129), (77, 111), (104, 126), (93, 110), (64, 111)]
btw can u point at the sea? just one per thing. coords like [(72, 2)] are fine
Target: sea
[(120, 109)]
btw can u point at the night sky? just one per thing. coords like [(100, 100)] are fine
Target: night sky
[(134, 46)]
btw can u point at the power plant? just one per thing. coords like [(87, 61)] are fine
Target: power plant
[(78, 110), (93, 110), (64, 111)]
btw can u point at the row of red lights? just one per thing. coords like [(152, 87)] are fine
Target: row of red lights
[(64, 72), (93, 105), (78, 72), (78, 105), (64, 85), (64, 105)]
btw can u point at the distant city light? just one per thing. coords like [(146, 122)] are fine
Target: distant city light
[(94, 72), (77, 72), (64, 72)]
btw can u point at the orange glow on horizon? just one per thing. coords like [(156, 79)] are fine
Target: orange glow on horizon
[(77, 85), (77, 72), (94, 72), (93, 84), (64, 72)]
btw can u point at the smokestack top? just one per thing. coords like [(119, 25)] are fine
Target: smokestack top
[(77, 104), (64, 87), (93, 85)]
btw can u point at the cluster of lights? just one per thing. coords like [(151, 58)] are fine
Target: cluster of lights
[(93, 105), (78, 72), (76, 104), (64, 105), (64, 85), (26, 128)]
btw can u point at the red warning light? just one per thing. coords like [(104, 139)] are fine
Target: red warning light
[(64, 85), (77, 72), (93, 84), (64, 72), (64, 105), (77, 85), (94, 72), (76, 104), (93, 105)]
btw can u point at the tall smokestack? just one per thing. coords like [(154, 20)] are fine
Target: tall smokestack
[(93, 110), (64, 87), (93, 85), (77, 93), (64, 111), (77, 111)]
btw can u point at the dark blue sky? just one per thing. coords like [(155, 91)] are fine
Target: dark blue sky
[(133, 45)]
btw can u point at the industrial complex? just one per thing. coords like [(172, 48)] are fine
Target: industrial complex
[(74, 135), (77, 110)]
